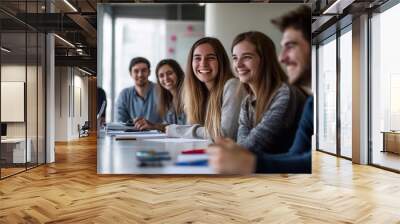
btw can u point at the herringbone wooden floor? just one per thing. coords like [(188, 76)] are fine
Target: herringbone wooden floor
[(70, 191)]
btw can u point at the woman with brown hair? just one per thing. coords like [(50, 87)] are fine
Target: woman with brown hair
[(170, 107), (211, 97), (270, 113)]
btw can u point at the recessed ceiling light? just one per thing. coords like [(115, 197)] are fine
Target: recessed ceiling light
[(70, 5), (64, 40), (84, 71), (5, 50), (337, 7)]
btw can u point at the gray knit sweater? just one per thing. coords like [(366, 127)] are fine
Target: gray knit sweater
[(230, 110), (276, 130)]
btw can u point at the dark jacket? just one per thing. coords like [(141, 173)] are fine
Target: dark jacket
[(298, 158)]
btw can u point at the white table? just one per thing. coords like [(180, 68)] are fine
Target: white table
[(119, 157), (16, 146)]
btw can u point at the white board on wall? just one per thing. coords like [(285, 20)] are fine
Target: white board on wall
[(12, 101)]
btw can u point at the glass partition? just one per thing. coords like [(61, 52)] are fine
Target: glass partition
[(41, 96), (326, 138), (22, 76), (13, 108), (346, 93), (385, 89), (31, 97)]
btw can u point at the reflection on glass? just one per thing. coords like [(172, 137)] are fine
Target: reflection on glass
[(385, 85), (327, 96), (41, 99), (346, 94)]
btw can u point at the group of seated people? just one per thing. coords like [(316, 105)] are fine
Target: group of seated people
[(258, 117)]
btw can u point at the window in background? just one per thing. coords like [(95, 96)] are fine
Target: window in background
[(346, 93), (327, 96), (133, 38), (385, 87), (106, 62), (153, 39)]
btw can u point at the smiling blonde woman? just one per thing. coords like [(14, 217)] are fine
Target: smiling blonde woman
[(211, 96)]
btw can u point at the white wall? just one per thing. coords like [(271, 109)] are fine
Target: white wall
[(16, 73), (61, 103), (225, 21), (71, 87), (80, 110)]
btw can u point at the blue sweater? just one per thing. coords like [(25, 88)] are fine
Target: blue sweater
[(130, 105), (298, 158)]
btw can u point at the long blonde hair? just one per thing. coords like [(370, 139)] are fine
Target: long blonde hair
[(165, 98), (203, 106), (271, 76)]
